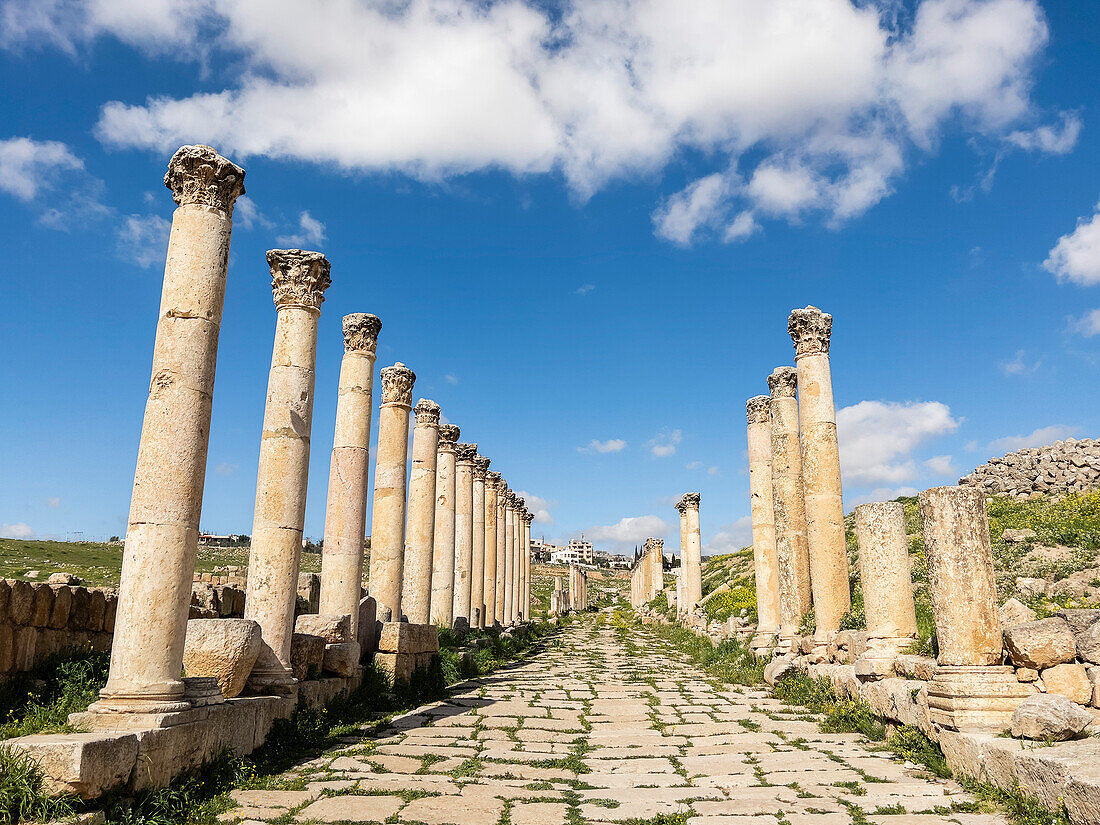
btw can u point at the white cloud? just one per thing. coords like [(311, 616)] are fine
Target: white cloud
[(29, 166), (53, 502), (693, 465), (539, 506), (612, 445), (742, 227), (584, 289), (19, 530), (664, 443), (450, 379), (628, 531), (312, 233), (1087, 325), (1051, 139), (225, 469), (818, 101), (880, 494), (730, 537), (1019, 365), (246, 215), (1076, 256), (143, 239), (712, 471), (941, 465), (877, 437), (1038, 438)]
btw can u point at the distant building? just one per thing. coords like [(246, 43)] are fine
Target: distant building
[(583, 549)]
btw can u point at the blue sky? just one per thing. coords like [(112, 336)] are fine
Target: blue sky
[(582, 225)]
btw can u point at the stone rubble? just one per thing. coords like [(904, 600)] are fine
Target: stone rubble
[(1070, 466)]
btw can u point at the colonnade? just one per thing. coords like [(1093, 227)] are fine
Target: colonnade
[(648, 577)]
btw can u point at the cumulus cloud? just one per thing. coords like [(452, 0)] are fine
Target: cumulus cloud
[(880, 494), (225, 469), (1087, 325), (628, 531), (941, 465), (28, 166), (612, 445), (877, 438), (539, 506), (1020, 364), (311, 233), (19, 530), (664, 443), (1076, 256), (247, 215), (730, 537), (584, 289), (1037, 438), (143, 239), (817, 102), (450, 379)]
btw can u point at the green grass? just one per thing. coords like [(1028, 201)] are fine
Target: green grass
[(21, 795), (40, 700)]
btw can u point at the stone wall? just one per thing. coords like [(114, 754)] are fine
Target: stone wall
[(1063, 467), (38, 619)]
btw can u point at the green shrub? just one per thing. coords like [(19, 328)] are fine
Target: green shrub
[(799, 689), (854, 716), (913, 746), (731, 602), (40, 700), (855, 618)]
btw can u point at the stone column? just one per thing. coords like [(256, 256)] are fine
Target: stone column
[(489, 588), (887, 586), (443, 552), (657, 580), (509, 553), (810, 329), (791, 550), (416, 588), (298, 280), (502, 549), (387, 542), (346, 512), (762, 509), (477, 567), (692, 560), (464, 498), (162, 537), (527, 519), (517, 555), (971, 688)]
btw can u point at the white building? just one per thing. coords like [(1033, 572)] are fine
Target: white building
[(583, 549)]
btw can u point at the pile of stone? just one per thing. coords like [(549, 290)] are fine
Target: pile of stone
[(1068, 466)]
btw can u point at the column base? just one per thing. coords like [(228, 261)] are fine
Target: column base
[(157, 698), (975, 698), (272, 682)]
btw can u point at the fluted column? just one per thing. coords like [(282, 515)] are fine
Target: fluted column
[(298, 280), (762, 509), (416, 589), (443, 552), (477, 566), (692, 560), (162, 537), (791, 549), (489, 590), (509, 554), (810, 329), (502, 549), (346, 511), (387, 543), (464, 502)]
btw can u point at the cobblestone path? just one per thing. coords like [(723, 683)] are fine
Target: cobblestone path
[(656, 736)]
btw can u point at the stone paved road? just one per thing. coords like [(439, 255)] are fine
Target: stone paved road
[(655, 735)]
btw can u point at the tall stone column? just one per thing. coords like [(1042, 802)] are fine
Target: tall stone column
[(693, 553), (298, 280), (509, 553), (657, 578), (489, 589), (680, 600), (517, 560), (162, 537), (464, 502), (887, 586), (971, 688), (791, 549), (346, 512), (762, 509), (416, 588), (443, 553), (387, 542), (527, 519), (810, 329), (477, 567), (502, 549)]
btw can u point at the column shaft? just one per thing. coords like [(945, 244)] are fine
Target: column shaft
[(692, 561), (464, 482), (509, 559), (416, 588), (502, 542), (762, 509), (443, 552), (477, 567)]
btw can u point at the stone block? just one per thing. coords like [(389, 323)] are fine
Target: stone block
[(367, 634), (43, 605), (21, 602), (24, 644), (7, 647), (64, 578), (97, 607), (1015, 612), (333, 629), (307, 654), (86, 764), (5, 597), (62, 599), (1079, 620), (341, 658), (109, 609), (915, 667), (397, 667), (309, 589), (1070, 680), (1049, 716), (975, 698), (1041, 644), (225, 649), (403, 637), (80, 608)]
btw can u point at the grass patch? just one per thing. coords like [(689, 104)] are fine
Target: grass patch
[(40, 700), (21, 794)]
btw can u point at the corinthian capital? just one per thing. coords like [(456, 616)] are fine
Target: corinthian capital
[(298, 278), (427, 413), (492, 481), (518, 503), (688, 501), (481, 466), (508, 497), (783, 382), (466, 453), (397, 385), (810, 329), (448, 435), (528, 516), (757, 409), (197, 174), (361, 332)]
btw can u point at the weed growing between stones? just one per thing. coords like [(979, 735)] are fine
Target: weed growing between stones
[(21, 794), (40, 700)]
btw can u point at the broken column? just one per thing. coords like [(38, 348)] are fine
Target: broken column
[(477, 566), (443, 551), (810, 329), (464, 495), (162, 537), (416, 588), (971, 688), (791, 550), (298, 281), (492, 485), (346, 511), (387, 543), (692, 560), (762, 509)]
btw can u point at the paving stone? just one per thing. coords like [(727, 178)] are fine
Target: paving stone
[(352, 809), (539, 813)]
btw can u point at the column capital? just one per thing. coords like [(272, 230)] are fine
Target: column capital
[(492, 481), (427, 413), (810, 329), (758, 409), (466, 453), (361, 332), (783, 382), (397, 385), (448, 435), (298, 278), (518, 504), (528, 516), (688, 501), (509, 498), (199, 175), (481, 466)]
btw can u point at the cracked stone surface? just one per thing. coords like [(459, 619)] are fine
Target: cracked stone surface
[(593, 729)]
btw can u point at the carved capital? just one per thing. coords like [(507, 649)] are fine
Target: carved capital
[(758, 409), (492, 481), (197, 174), (481, 466), (688, 501), (528, 517), (509, 498), (448, 435), (465, 453), (427, 413), (783, 382), (518, 503), (361, 332), (810, 329), (298, 278), (397, 385)]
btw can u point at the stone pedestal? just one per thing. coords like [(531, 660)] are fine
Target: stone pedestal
[(443, 553), (405, 648), (464, 546), (346, 513), (298, 280), (810, 329), (762, 509), (489, 589), (416, 588), (791, 549), (509, 553), (162, 536), (387, 543), (477, 566), (692, 548)]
